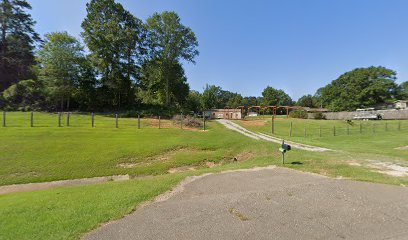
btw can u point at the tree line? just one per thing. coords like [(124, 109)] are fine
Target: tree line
[(125, 64), (358, 88)]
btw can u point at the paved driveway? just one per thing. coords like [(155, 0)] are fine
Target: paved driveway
[(269, 204)]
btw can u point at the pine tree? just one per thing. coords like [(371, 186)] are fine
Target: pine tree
[(17, 40)]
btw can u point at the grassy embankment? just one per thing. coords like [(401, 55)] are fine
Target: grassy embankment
[(46, 153)]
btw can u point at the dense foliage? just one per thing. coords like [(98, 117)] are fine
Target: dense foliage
[(17, 40), (275, 97), (298, 113), (360, 88), (137, 67), (308, 101)]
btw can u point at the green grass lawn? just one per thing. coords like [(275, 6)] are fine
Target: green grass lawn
[(46, 152), (42, 154), (377, 138)]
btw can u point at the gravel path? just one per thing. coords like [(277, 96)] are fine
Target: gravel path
[(258, 136), (269, 203)]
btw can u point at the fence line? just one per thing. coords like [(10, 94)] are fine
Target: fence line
[(292, 130), (9, 119)]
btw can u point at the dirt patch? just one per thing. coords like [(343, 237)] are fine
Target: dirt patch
[(63, 183), (25, 174), (244, 156), (181, 169), (127, 165), (402, 148), (391, 169), (131, 162), (253, 123), (351, 163)]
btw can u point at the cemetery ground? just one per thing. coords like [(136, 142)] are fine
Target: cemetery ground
[(156, 160)]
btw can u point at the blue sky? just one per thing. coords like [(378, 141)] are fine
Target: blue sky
[(294, 45)]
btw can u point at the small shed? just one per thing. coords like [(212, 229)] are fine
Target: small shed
[(223, 113)]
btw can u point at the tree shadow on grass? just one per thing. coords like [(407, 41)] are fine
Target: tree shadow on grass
[(296, 163)]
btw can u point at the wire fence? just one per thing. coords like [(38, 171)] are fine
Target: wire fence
[(92, 120), (340, 129)]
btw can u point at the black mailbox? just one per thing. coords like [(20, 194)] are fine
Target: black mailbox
[(286, 147)]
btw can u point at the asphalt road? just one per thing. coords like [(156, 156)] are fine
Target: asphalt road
[(269, 204)]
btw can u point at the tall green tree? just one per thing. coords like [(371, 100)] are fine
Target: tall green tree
[(308, 101), (193, 102), (404, 90), (25, 95), (115, 39), (61, 57), (360, 88), (169, 42), (235, 100), (153, 89), (17, 40), (275, 97), (251, 101), (211, 97)]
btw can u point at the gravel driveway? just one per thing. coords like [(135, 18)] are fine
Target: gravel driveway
[(235, 127)]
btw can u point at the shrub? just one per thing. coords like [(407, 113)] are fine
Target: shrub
[(299, 113), (319, 116), (188, 121)]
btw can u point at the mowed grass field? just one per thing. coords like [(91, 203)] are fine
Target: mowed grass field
[(47, 152), (385, 138)]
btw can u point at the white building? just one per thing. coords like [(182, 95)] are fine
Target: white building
[(401, 104)]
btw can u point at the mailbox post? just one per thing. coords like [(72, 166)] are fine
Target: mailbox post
[(283, 149)]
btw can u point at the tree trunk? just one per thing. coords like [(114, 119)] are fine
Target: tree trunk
[(3, 30), (68, 100), (119, 102), (167, 92), (62, 103)]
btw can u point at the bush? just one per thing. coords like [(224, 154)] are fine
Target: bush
[(319, 116), (25, 95), (188, 121), (299, 113)]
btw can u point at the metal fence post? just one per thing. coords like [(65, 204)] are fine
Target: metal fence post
[(348, 130), (181, 120), (116, 117), (93, 119), (273, 124), (361, 128), (334, 130), (4, 118), (399, 125), (320, 131), (32, 119), (203, 120), (159, 122), (138, 121), (68, 115), (59, 119), (373, 127), (386, 126)]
